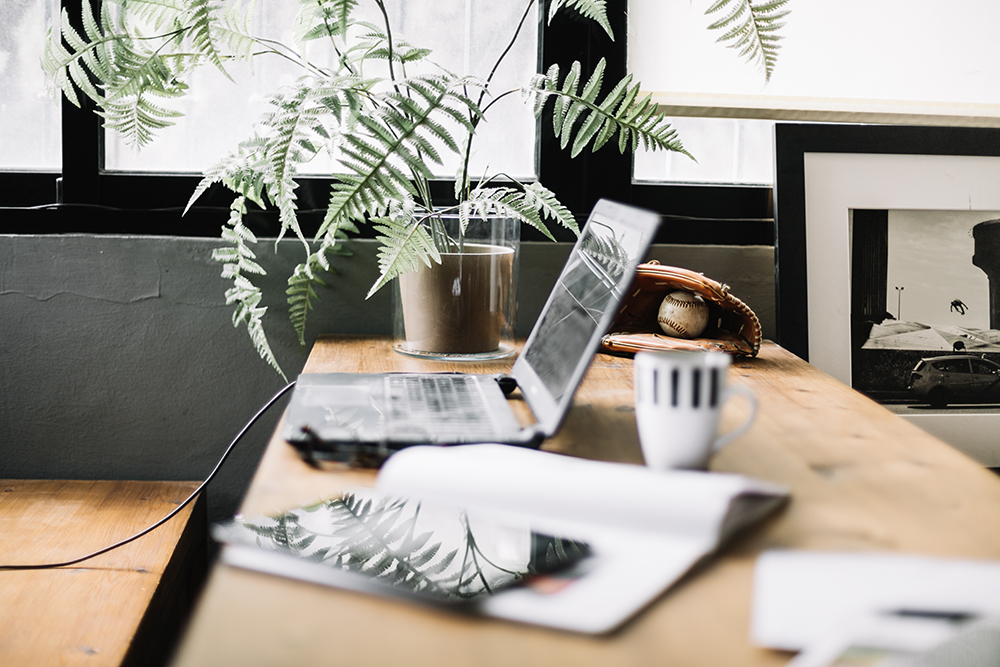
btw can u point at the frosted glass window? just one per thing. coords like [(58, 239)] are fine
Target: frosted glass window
[(891, 61), (466, 37), (30, 134), (726, 151)]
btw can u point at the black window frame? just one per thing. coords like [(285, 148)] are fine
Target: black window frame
[(85, 198)]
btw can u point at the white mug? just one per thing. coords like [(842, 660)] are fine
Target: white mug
[(678, 398)]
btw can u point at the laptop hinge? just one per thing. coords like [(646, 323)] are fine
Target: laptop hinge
[(530, 436), (507, 383)]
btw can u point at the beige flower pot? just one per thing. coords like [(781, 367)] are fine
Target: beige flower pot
[(462, 307)]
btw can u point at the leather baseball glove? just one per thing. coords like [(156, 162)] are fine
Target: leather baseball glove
[(732, 326)]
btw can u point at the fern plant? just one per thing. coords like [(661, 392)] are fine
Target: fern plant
[(384, 124)]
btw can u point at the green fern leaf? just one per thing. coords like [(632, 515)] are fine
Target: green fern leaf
[(136, 118), (753, 30), (390, 146), (202, 15), (294, 133), (591, 9), (133, 74), (636, 123), (301, 284), (323, 19), (233, 28), (163, 15), (237, 261), (405, 246), (237, 171), (544, 201), (375, 44), (532, 204), (68, 68)]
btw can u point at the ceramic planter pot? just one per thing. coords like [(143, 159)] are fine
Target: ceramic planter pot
[(463, 307)]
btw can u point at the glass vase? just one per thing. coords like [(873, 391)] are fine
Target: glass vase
[(464, 307)]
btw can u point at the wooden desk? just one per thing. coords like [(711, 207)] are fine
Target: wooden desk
[(860, 477), (124, 607)]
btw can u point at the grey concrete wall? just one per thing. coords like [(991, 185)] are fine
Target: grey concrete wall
[(119, 360)]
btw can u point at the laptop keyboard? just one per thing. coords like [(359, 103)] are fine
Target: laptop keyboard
[(448, 406)]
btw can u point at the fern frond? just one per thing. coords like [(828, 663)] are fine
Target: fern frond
[(237, 261), (292, 127), (405, 245), (392, 144), (301, 293), (293, 132), (321, 19), (375, 45), (233, 29), (136, 117), (751, 29), (591, 9), (637, 123), (301, 284), (530, 203), (344, 97), (239, 171), (544, 201), (161, 15), (201, 18), (70, 69), (132, 74)]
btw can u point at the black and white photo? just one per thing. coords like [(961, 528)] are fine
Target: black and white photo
[(924, 331)]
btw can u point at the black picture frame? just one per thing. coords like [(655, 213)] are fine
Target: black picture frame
[(792, 141), (798, 328)]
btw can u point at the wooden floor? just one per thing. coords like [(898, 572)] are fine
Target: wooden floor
[(123, 607)]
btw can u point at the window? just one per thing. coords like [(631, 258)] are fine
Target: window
[(953, 366), (145, 193), (894, 61), (31, 137), (465, 37), (983, 367)]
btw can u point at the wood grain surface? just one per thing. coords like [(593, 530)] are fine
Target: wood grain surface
[(860, 479), (86, 614)]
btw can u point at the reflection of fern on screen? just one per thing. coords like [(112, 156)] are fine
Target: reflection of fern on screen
[(611, 258), (595, 273), (573, 314)]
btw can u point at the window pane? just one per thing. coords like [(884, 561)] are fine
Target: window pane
[(466, 36), (725, 150), (899, 61), (846, 55), (31, 120)]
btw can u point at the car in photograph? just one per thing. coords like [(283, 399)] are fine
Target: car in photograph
[(955, 378)]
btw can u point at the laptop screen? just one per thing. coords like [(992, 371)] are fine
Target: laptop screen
[(581, 307)]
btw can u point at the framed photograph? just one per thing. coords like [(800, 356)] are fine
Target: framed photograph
[(887, 246)]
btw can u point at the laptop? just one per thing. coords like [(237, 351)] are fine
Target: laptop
[(366, 417)]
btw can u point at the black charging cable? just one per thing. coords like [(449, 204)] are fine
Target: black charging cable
[(174, 512)]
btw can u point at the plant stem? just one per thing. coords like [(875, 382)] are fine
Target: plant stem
[(476, 120), (422, 186), (388, 35)]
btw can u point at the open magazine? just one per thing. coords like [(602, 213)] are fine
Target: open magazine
[(552, 540)]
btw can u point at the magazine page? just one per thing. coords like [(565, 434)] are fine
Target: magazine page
[(566, 491), (512, 533), (644, 528)]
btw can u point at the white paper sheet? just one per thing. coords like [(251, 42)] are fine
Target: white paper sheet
[(802, 596)]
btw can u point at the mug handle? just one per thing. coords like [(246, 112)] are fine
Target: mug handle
[(751, 399)]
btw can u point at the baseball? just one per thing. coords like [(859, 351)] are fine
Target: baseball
[(683, 315)]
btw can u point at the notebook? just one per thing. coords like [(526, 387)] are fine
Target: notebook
[(352, 416)]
